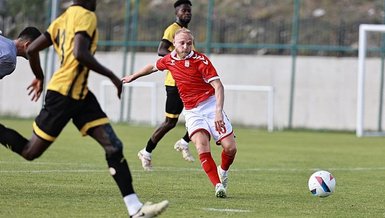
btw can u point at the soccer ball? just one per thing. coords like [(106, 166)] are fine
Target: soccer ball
[(322, 183)]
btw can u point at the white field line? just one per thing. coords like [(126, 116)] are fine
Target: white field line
[(227, 210), (95, 168), (54, 171)]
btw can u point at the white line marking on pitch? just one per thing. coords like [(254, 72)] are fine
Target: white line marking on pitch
[(227, 210), (98, 168), (54, 171)]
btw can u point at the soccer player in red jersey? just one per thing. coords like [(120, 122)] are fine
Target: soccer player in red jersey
[(202, 94)]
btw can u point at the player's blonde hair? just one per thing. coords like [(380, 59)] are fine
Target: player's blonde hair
[(186, 31)]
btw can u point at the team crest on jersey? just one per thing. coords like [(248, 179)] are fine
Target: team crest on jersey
[(187, 63)]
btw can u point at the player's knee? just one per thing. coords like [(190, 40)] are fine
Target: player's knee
[(116, 149), (114, 145), (230, 150), (33, 148), (170, 123), (114, 155), (117, 144), (30, 156)]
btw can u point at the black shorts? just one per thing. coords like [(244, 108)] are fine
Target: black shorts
[(58, 110), (174, 104)]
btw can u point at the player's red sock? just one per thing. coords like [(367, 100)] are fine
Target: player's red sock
[(227, 160), (209, 166)]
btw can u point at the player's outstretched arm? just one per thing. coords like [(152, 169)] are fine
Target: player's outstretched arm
[(84, 56), (36, 86), (148, 69)]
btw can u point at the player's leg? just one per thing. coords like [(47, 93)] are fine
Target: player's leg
[(186, 138), (113, 147), (144, 155), (174, 106), (198, 129), (172, 115), (120, 171), (35, 147), (227, 157), (29, 149), (202, 144), (167, 125), (52, 119), (93, 121), (229, 151), (182, 146), (47, 126), (201, 139), (11, 139), (227, 141)]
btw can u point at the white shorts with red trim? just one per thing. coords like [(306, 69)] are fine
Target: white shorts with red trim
[(202, 117)]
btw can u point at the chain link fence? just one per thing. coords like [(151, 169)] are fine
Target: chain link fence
[(325, 27)]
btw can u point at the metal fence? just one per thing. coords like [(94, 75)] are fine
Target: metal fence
[(323, 27), (250, 27), (278, 27)]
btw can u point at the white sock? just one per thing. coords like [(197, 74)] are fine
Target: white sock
[(146, 153), (183, 142), (132, 203), (222, 171)]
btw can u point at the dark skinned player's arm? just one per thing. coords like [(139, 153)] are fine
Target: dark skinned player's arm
[(33, 50), (84, 56), (163, 47), (42, 42)]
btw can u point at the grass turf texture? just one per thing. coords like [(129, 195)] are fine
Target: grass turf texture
[(268, 178)]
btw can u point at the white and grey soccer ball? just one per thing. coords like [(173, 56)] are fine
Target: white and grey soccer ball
[(322, 183)]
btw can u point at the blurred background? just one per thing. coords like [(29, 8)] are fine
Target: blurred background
[(305, 50), (322, 27)]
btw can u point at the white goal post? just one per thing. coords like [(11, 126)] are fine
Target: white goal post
[(269, 90), (270, 99), (362, 48), (150, 85)]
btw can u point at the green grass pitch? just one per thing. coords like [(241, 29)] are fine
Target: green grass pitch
[(268, 178)]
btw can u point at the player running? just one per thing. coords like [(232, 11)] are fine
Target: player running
[(202, 94)]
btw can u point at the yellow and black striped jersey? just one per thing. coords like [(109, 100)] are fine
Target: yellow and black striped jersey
[(71, 78)]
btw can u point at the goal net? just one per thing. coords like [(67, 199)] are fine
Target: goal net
[(370, 82)]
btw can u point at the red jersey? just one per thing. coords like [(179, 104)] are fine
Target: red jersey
[(192, 76)]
